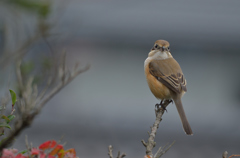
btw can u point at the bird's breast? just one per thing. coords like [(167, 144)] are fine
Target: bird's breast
[(159, 90)]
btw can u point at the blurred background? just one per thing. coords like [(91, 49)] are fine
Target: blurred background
[(111, 102)]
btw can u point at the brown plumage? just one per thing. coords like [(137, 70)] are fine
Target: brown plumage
[(165, 78), (170, 75)]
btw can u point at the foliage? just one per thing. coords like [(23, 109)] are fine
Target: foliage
[(5, 120)]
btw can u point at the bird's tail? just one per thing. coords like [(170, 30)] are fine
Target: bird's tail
[(186, 125)]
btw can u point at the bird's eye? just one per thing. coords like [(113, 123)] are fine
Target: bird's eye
[(156, 46), (168, 48)]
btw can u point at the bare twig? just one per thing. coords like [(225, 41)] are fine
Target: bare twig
[(233, 156), (20, 51), (150, 144), (44, 91), (225, 154), (28, 116), (27, 145), (19, 75), (110, 149), (162, 151), (63, 68), (61, 86), (121, 155)]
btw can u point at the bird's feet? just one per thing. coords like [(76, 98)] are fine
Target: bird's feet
[(163, 104), (157, 106), (160, 105)]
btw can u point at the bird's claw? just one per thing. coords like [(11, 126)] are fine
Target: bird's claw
[(157, 106), (161, 105)]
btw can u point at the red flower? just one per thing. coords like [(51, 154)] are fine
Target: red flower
[(35, 151), (7, 154), (71, 151), (56, 150), (48, 145), (20, 156)]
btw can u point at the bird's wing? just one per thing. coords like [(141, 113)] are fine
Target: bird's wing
[(169, 73)]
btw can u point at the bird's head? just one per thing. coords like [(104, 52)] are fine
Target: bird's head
[(160, 49)]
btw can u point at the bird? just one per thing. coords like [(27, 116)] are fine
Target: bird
[(165, 78)]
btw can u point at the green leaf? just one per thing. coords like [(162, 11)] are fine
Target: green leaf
[(14, 97), (5, 125), (23, 152), (5, 118), (10, 117)]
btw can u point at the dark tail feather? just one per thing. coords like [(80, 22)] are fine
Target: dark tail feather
[(186, 125)]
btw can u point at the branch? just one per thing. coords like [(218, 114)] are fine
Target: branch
[(110, 149), (225, 154), (150, 144), (62, 85), (233, 156), (20, 124), (30, 102), (121, 155), (28, 116), (162, 151), (21, 51)]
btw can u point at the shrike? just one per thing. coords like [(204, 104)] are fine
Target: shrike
[(165, 78)]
